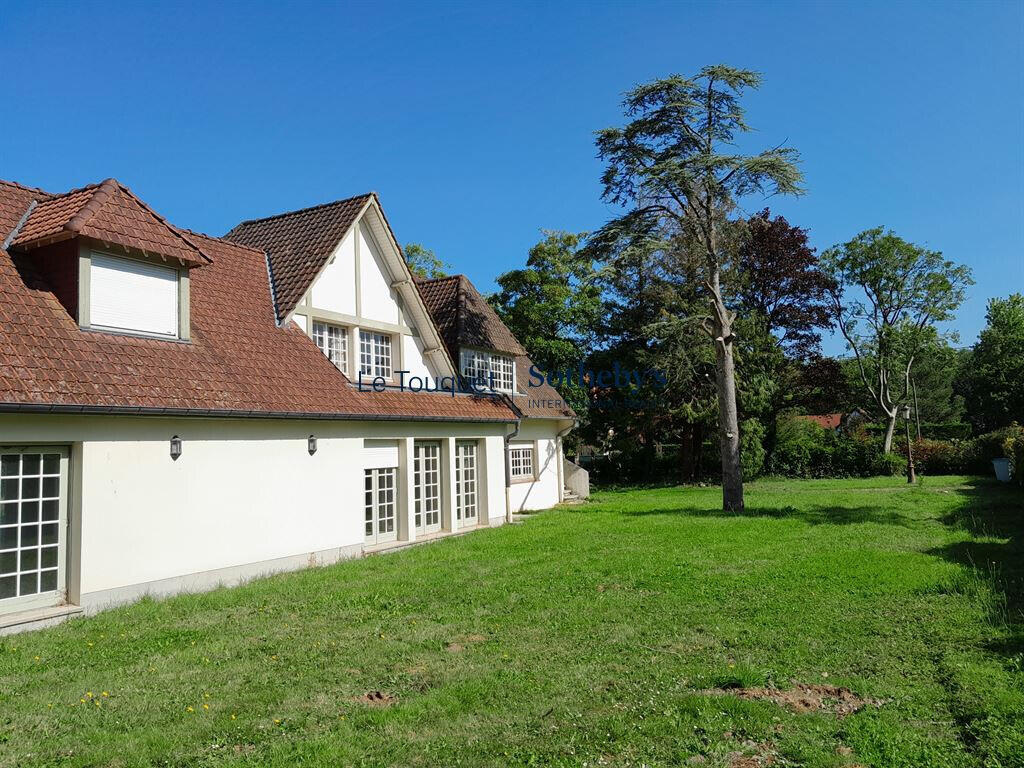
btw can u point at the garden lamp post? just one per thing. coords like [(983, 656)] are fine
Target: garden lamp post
[(911, 477)]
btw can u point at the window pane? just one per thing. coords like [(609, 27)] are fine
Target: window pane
[(9, 489), (50, 533), (51, 509), (30, 511), (48, 581), (28, 584), (29, 535), (29, 559), (51, 464), (8, 587), (8, 562), (51, 487), (9, 537), (9, 513), (31, 463), (9, 464), (49, 557), (30, 488)]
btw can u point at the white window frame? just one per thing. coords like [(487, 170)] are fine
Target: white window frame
[(427, 486), (380, 505), (43, 519), (478, 365), (332, 339), (99, 259), (467, 506), (375, 353), (522, 462)]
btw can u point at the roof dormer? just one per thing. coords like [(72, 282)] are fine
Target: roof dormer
[(115, 264)]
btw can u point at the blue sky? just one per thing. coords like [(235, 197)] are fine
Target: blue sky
[(474, 121)]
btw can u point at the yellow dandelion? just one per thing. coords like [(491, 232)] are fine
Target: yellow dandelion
[(273, 658), (276, 721), (50, 706), (206, 706), (90, 645), (82, 700), (189, 709), (233, 717), (89, 694), (37, 658), (206, 695)]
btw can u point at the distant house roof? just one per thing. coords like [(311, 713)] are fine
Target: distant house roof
[(465, 319), (238, 362), (298, 244), (826, 420)]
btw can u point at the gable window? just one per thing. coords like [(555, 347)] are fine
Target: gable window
[(374, 354), (485, 367), (133, 296), (520, 458), (333, 342)]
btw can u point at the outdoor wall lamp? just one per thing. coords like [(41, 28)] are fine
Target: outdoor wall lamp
[(175, 447), (311, 445)]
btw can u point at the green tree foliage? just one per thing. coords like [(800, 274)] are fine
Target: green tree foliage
[(675, 168), (887, 296), (552, 306), (992, 376), (423, 262)]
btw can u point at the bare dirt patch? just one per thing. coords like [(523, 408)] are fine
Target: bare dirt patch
[(457, 646), (805, 697), (377, 699)]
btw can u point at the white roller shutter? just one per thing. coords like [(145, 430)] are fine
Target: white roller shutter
[(130, 295), (380, 453)]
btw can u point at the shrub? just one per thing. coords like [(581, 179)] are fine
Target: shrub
[(936, 457), (752, 448), (804, 449), (1013, 449)]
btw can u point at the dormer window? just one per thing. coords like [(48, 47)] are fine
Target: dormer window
[(133, 296), (333, 342), (375, 354), (483, 367)]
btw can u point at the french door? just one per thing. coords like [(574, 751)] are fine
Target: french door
[(427, 486), (465, 485), (33, 524), (379, 485)]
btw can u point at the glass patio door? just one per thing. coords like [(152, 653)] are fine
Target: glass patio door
[(465, 485), (427, 486), (379, 487)]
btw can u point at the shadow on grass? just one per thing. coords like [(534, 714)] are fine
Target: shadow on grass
[(815, 515), (990, 510)]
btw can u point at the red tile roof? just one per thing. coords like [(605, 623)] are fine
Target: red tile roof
[(465, 319), (238, 362), (826, 420), (298, 244), (108, 212)]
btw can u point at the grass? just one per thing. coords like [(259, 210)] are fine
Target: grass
[(583, 637)]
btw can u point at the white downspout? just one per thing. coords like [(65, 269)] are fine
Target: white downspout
[(561, 458)]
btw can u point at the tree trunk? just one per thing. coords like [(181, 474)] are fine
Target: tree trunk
[(728, 424), (888, 433)]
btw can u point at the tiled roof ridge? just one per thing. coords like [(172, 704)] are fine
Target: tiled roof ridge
[(220, 239), (301, 210), (27, 188), (111, 183), (101, 194)]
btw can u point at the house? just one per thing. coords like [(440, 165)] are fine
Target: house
[(179, 411), (836, 421)]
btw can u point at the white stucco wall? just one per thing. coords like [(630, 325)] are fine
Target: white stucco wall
[(377, 297), (335, 289), (543, 492), (413, 359), (242, 492)]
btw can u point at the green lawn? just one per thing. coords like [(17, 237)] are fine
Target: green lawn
[(586, 636)]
